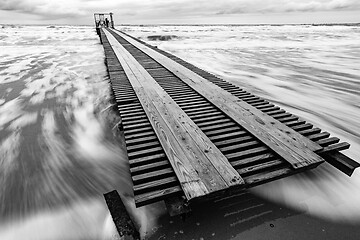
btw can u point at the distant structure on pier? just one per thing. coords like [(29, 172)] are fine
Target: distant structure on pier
[(102, 20)]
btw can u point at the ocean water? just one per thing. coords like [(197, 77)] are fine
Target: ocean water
[(60, 148)]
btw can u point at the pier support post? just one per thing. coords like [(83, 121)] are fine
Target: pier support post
[(111, 20), (124, 224)]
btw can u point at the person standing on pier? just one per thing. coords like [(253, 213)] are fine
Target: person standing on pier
[(106, 22)]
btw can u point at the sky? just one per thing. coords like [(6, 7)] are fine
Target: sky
[(180, 11)]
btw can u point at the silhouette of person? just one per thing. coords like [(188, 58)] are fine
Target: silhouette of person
[(106, 22)]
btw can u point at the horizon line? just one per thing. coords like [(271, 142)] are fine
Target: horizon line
[(187, 24)]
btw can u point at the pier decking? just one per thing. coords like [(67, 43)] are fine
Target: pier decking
[(189, 133)]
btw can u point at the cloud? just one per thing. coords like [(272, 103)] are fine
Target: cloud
[(321, 5), (47, 9), (278, 6), (167, 9)]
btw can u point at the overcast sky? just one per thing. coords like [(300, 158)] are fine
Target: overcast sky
[(180, 11)]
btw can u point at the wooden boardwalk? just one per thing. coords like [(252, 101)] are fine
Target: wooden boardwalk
[(189, 133)]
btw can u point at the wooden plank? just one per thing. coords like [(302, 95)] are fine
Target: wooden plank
[(251, 102), (151, 176), (147, 198), (191, 111), (199, 165), (262, 178), (232, 141), (302, 127), (200, 112), (144, 152), (132, 118), (222, 131), (136, 135), (260, 167), (155, 185), (216, 121), (328, 141), (137, 121), (310, 131), (187, 101), (139, 147), (136, 126), (194, 106), (149, 167), (247, 153), (218, 126), (147, 159), (341, 162), (207, 114), (292, 146), (123, 222), (226, 136), (240, 146), (253, 160), (338, 147), (140, 140), (138, 130)]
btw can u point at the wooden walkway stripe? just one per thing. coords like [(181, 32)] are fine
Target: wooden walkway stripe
[(148, 159), (201, 167), (293, 147)]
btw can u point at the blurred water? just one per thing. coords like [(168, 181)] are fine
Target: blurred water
[(60, 149)]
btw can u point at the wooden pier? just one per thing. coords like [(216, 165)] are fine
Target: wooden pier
[(192, 135)]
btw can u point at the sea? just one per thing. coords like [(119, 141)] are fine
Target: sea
[(61, 148)]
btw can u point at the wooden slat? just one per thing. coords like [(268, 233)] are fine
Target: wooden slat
[(142, 146), (154, 185), (247, 153), (232, 141), (149, 167), (147, 198), (262, 177), (154, 175), (292, 146), (149, 159), (200, 167), (137, 135), (222, 131), (338, 147), (253, 160), (140, 140), (260, 167), (341, 162), (144, 152)]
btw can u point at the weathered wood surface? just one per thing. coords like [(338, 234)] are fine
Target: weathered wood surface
[(153, 176), (200, 167), (292, 146)]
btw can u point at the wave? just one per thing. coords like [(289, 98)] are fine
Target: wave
[(162, 37)]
